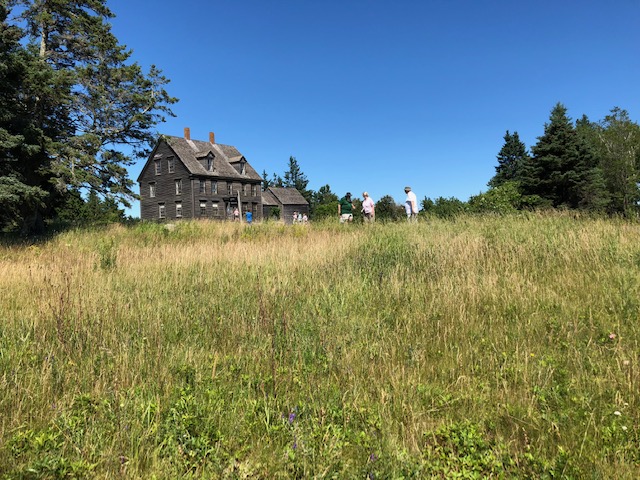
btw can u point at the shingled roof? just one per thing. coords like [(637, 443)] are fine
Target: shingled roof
[(189, 151), (287, 196)]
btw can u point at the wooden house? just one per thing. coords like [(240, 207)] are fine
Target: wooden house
[(286, 200), (186, 178)]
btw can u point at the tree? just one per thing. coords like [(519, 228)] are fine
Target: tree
[(510, 159), (387, 209), (618, 144), (86, 100), (294, 178), (21, 189), (266, 183), (324, 202), (562, 171)]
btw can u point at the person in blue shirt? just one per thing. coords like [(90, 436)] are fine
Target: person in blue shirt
[(249, 217)]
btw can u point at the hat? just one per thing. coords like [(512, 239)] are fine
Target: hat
[(365, 194), (407, 189), (348, 194)]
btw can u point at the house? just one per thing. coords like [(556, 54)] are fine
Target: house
[(286, 200), (186, 178)]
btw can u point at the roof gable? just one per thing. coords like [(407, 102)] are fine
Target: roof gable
[(191, 152)]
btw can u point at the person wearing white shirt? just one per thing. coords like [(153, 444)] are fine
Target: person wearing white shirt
[(411, 205)]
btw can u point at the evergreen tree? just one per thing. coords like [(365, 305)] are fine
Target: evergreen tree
[(510, 159), (266, 183), (85, 100), (562, 170), (21, 190), (294, 178)]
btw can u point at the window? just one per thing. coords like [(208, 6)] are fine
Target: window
[(161, 211), (179, 187), (203, 209), (229, 188), (254, 190), (243, 168), (203, 186), (171, 164), (244, 189), (152, 190), (214, 186), (178, 209), (214, 207), (158, 167), (209, 164)]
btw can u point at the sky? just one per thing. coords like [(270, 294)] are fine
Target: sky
[(375, 95)]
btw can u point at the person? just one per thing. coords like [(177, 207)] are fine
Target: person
[(249, 217), (295, 217), (345, 208), (411, 205), (305, 218), (299, 217), (236, 215), (368, 208)]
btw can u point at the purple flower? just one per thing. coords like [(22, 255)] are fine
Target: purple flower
[(292, 417)]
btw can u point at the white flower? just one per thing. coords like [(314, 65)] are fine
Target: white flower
[(624, 428), (617, 413)]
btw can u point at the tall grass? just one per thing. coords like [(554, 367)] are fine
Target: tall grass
[(480, 347)]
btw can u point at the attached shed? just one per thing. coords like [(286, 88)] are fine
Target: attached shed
[(288, 200)]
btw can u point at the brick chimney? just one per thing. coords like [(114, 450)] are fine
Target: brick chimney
[(212, 138), (187, 133)]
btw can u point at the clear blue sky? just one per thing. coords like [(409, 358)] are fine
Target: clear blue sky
[(375, 95)]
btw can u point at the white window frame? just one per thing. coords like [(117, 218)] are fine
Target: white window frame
[(162, 211), (171, 164), (214, 186), (152, 190), (178, 209), (179, 187), (203, 208), (158, 167), (203, 186)]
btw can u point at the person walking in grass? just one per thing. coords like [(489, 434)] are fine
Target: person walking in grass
[(411, 205), (368, 208), (345, 209)]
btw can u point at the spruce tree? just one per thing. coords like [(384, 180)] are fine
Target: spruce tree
[(294, 178), (510, 159), (562, 171)]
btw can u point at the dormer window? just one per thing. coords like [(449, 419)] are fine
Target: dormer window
[(209, 164), (243, 167)]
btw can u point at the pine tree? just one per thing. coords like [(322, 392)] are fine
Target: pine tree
[(510, 159), (86, 99)]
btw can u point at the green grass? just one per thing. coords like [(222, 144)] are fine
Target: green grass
[(497, 347)]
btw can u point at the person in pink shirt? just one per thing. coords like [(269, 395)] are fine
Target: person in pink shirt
[(368, 208)]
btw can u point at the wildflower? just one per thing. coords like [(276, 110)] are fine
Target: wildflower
[(372, 457), (624, 428), (626, 363), (617, 413), (612, 336), (292, 417)]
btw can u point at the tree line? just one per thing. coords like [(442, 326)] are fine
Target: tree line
[(582, 165), (72, 102)]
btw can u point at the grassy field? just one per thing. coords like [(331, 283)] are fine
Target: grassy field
[(475, 348)]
